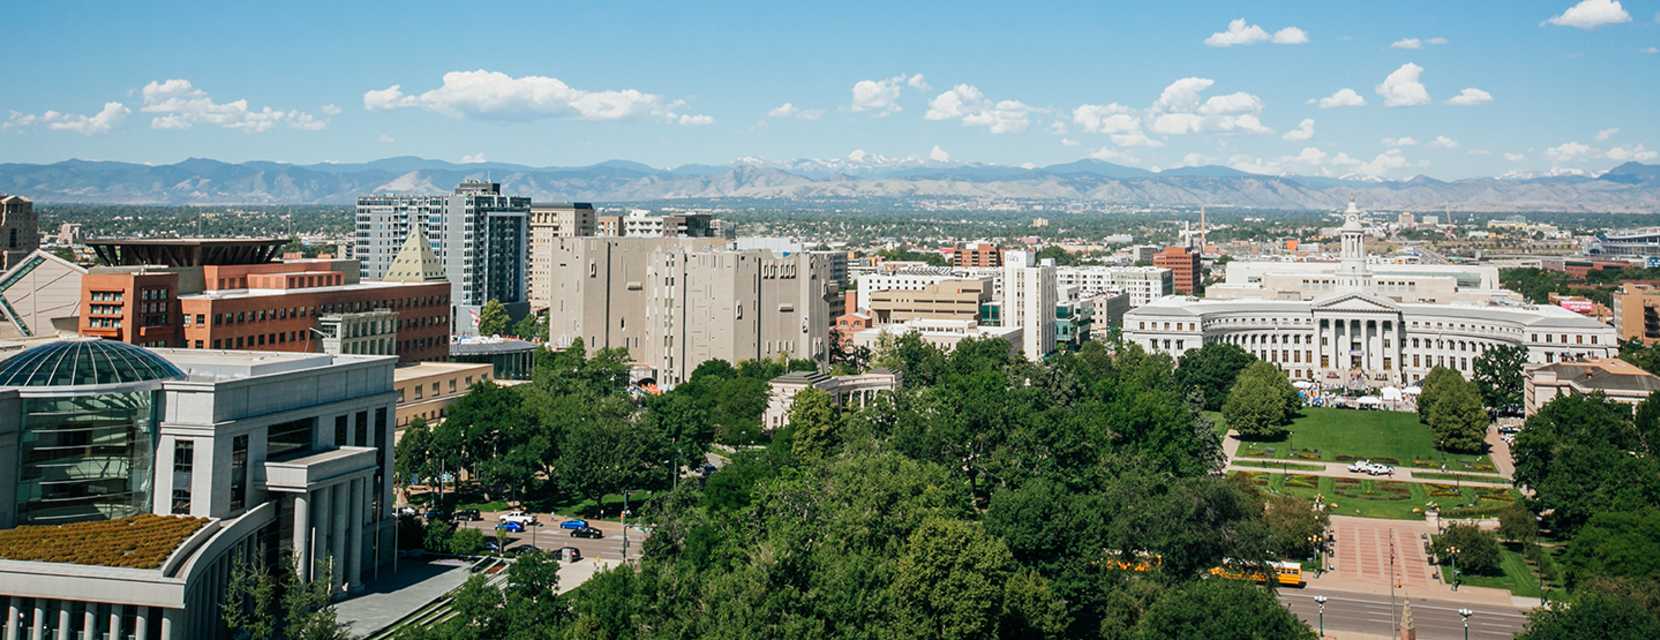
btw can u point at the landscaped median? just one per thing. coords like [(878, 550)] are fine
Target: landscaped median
[(1369, 498)]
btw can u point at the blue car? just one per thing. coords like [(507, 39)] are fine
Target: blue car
[(574, 523), (511, 527)]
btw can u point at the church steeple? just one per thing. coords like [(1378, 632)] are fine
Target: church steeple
[(1353, 274)]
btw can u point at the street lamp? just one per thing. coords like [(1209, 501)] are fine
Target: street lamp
[(1321, 600), (1453, 551), (1465, 614)]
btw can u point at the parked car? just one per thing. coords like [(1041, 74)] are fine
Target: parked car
[(523, 550), (468, 515), (435, 514), (587, 532), (1381, 470), (574, 523), (511, 526), (525, 518), (569, 554), (1359, 466), (407, 510), (1510, 428), (490, 546)]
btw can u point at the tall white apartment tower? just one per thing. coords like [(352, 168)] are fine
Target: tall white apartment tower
[(1029, 299)]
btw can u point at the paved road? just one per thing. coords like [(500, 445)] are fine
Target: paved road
[(550, 536), (1341, 470), (1371, 614)]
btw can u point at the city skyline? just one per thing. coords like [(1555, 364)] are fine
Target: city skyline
[(1451, 92)]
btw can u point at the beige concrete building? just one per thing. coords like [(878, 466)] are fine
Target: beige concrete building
[(1617, 379), (853, 391), (426, 390), (958, 299), (549, 221), (944, 334), (40, 296), (677, 302), (1637, 313), (19, 230)]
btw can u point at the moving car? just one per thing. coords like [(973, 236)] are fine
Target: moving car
[(573, 523), (569, 554), (435, 514), (523, 550), (468, 515), (511, 526), (587, 532), (524, 518)]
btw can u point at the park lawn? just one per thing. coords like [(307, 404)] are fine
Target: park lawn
[(1343, 435), (1216, 421), (1516, 576), (1381, 498), (1466, 477)]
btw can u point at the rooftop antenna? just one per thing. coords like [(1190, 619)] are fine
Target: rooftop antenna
[(1201, 229)]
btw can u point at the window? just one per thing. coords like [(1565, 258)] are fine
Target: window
[(340, 430), (181, 502), (362, 439), (288, 437), (184, 455), (239, 472)]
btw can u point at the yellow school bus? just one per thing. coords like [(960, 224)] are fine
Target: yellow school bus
[(1286, 574)]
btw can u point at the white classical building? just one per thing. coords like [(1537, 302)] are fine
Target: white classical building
[(1363, 331), (854, 391)]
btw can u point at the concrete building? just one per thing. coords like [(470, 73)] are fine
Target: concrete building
[(369, 333), (40, 296), (1637, 313), (1358, 336), (1108, 312), (956, 299), (1186, 273), (1417, 283), (907, 280), (638, 224), (608, 226), (977, 254), (1616, 379), (675, 303), (1142, 284), (226, 294), (481, 237), (1029, 300), (19, 230), (549, 221), (849, 392), (426, 390), (944, 334), (509, 359), (226, 456)]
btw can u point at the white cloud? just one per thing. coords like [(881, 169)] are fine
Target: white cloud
[(1514, 157), (1605, 134), (1291, 35), (918, 82), (331, 110), (939, 155), (1570, 151), (1480, 152), (1639, 153), (1342, 98), (857, 155), (1113, 155), (1304, 131), (1444, 142), (1437, 40), (1177, 124), (1403, 141), (1402, 87), (1179, 111), (1651, 50), (789, 110), (880, 96), (1314, 160), (180, 105), (386, 139), (102, 122), (967, 103), (1233, 103), (1470, 97), (1590, 14), (473, 158), (1182, 95), (1240, 33), (1195, 159), (1408, 43), (1134, 139), (493, 95), (1028, 165), (1106, 118), (1068, 142)]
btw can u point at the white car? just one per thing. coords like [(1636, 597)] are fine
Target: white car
[(1381, 470), (1360, 466), (524, 518)]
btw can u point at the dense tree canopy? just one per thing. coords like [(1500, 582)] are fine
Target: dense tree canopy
[(493, 319), (1452, 408), (1582, 455), (1212, 369), (1261, 402), (1498, 376)]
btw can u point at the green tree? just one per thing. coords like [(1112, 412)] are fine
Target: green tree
[(466, 542), (534, 327), (251, 602), (683, 424), (1295, 528), (1476, 550), (254, 598), (1430, 389), (1219, 610), (1607, 615), (950, 582), (1261, 402), (308, 609), (814, 425), (1212, 370), (1583, 455), (1616, 545), (493, 319), (1456, 416), (1498, 376), (1646, 357), (1518, 524)]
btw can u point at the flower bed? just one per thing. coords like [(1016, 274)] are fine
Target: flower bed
[(140, 542)]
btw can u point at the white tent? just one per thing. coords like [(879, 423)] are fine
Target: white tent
[(1302, 384), (1391, 394), (1412, 390), (1368, 400)]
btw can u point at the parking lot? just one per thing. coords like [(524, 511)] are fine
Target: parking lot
[(547, 535)]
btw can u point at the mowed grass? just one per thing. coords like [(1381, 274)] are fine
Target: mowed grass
[(1383, 498), (1516, 576), (1343, 435)]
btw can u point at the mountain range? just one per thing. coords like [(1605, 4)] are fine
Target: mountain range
[(1630, 187)]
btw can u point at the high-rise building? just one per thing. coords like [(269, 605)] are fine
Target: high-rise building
[(638, 224), (674, 303), (19, 230), (1143, 284), (549, 221), (481, 236), (1029, 300), (1637, 313), (1185, 271), (977, 254)]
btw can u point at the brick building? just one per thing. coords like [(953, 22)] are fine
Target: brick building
[(977, 254), (1186, 274)]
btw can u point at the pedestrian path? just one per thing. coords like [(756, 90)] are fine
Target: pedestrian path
[(1341, 470)]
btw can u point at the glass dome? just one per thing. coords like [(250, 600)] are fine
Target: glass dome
[(85, 361)]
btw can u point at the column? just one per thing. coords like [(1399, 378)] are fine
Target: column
[(89, 626), (12, 610), (37, 624), (141, 623), (354, 523), (302, 537), (62, 632), (172, 624), (115, 621), (337, 538), (321, 530)]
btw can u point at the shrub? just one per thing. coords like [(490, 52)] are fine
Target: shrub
[(1477, 550)]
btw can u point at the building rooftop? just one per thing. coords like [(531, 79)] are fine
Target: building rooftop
[(209, 365), (424, 369), (227, 294), (140, 542), (85, 361), (186, 252), (1612, 374), (485, 346)]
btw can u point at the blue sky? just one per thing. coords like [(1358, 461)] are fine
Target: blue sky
[(1557, 84)]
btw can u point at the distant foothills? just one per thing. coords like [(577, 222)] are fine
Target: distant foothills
[(1629, 188)]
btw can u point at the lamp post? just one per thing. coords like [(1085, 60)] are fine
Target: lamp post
[(1453, 551), (1465, 614), (1321, 600)]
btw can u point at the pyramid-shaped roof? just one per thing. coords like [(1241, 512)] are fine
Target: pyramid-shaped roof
[(415, 262)]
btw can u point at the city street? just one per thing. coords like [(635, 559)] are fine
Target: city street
[(548, 535), (1370, 615)]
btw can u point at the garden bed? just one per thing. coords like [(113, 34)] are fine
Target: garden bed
[(140, 542)]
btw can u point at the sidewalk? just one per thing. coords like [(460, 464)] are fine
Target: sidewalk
[(1361, 563), (1341, 470)]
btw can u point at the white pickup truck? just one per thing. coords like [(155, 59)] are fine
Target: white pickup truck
[(525, 518)]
